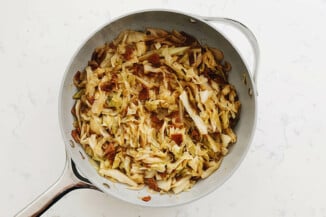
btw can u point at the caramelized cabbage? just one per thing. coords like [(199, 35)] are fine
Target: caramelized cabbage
[(155, 108)]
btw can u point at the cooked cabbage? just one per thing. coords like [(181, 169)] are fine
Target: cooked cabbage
[(155, 108)]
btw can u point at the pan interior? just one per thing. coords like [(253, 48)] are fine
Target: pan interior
[(207, 35)]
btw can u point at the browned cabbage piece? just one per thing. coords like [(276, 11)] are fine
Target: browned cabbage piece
[(155, 108)]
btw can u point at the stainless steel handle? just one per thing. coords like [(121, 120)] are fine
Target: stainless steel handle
[(68, 181), (249, 35)]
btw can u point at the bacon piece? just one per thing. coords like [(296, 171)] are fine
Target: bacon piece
[(90, 99), (152, 184), (107, 86), (191, 58), (144, 94), (128, 53), (93, 64), (195, 135), (83, 108), (75, 135), (98, 55), (73, 110), (138, 68), (146, 198), (154, 59), (156, 123), (110, 85), (112, 46), (77, 78), (215, 76), (176, 116), (109, 151), (149, 43), (178, 138), (163, 175)]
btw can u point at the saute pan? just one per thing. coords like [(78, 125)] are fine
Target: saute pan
[(79, 173)]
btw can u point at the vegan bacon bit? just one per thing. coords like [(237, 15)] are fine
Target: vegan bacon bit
[(146, 198), (155, 109)]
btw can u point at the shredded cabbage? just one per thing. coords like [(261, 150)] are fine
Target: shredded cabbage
[(155, 108)]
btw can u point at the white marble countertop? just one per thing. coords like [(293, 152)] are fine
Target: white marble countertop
[(284, 171)]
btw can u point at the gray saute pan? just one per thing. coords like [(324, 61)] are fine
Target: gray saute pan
[(79, 173)]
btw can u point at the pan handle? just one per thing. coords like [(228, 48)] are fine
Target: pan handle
[(249, 35), (68, 181)]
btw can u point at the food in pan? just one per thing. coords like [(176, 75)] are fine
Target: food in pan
[(155, 108)]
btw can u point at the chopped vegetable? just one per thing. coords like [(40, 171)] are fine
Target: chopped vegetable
[(155, 109), (119, 176), (197, 120)]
